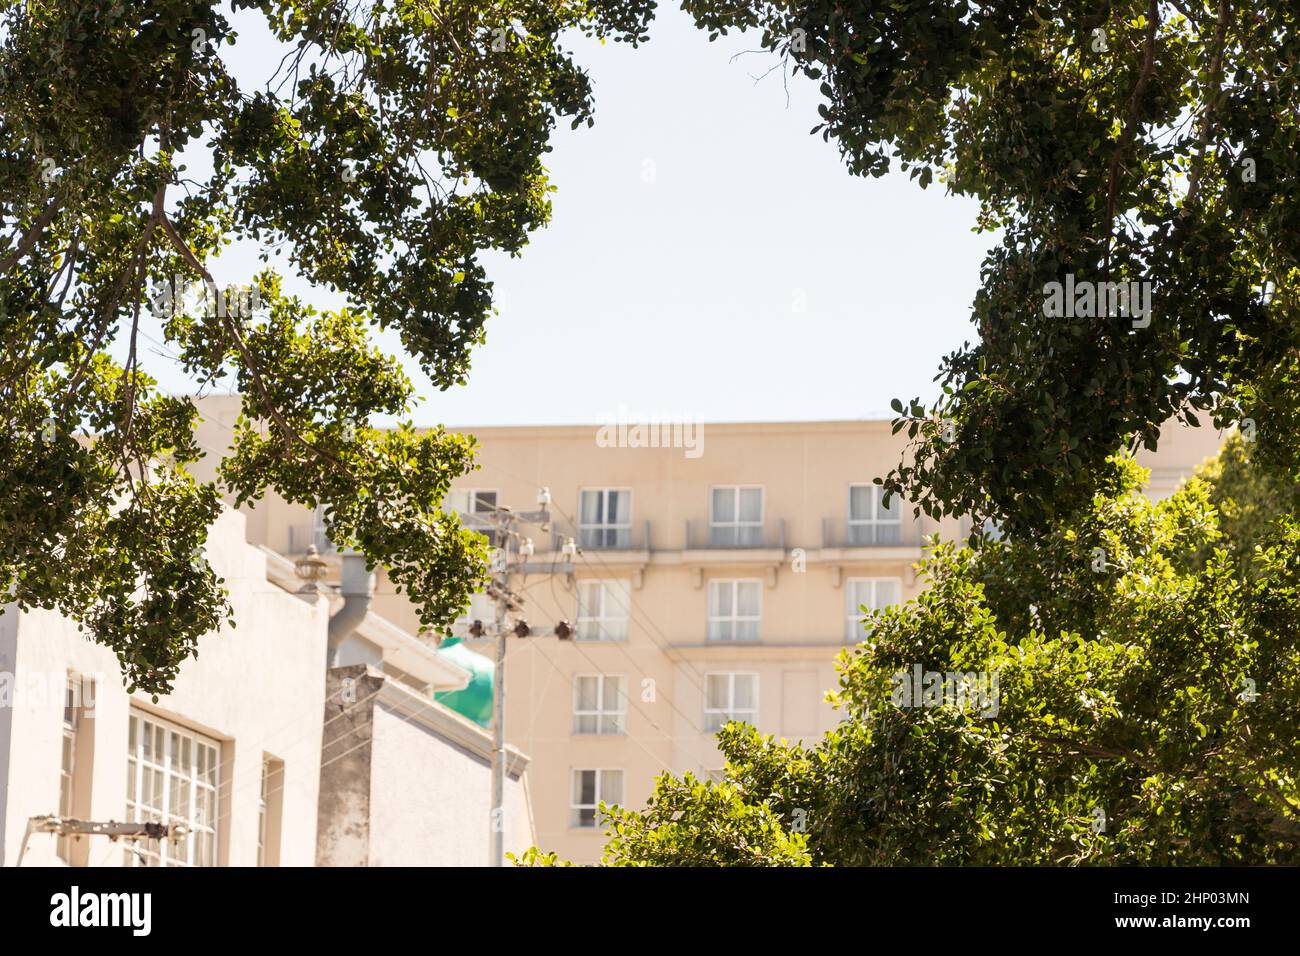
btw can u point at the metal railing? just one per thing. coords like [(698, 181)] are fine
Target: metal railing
[(843, 533), (707, 535), (634, 536)]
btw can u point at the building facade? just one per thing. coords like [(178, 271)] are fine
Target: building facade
[(265, 754), (719, 576)]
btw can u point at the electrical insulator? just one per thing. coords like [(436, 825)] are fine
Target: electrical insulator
[(564, 631), (522, 629), (476, 629)]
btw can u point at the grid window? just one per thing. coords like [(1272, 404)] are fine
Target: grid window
[(599, 704), (730, 696), (605, 518), (736, 516), (603, 610), (590, 789), (871, 593), (68, 767), (870, 522), (172, 777), (735, 608)]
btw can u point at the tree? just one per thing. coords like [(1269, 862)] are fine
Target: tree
[(1142, 710), (1138, 141), (1251, 501), (394, 143)]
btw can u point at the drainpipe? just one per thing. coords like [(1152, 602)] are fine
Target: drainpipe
[(356, 585)]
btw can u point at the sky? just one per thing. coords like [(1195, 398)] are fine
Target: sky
[(707, 257)]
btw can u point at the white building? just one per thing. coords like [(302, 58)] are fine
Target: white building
[(234, 753)]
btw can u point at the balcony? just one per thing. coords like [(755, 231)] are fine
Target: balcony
[(707, 536), (840, 533), (629, 537)]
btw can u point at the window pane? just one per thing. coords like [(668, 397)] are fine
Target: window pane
[(720, 594), (860, 503), (585, 784), (716, 691), (611, 786), (724, 505), (590, 508), (747, 598), (746, 630), (743, 695), (620, 507), (613, 693), (586, 692), (751, 504)]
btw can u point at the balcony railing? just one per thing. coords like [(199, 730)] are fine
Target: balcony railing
[(842, 533), (706, 536), (629, 537)]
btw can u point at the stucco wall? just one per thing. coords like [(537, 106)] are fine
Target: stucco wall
[(435, 811), (258, 688), (407, 782)]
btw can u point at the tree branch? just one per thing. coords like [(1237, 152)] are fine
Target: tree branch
[(31, 235), (250, 361), (1212, 102), (1130, 123)]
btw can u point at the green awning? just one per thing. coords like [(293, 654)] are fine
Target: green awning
[(475, 699)]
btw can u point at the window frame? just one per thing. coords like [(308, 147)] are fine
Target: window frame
[(624, 618), (853, 629), (600, 713), (576, 809), (737, 525), (730, 711), (735, 619), (874, 523), (622, 540), (138, 809)]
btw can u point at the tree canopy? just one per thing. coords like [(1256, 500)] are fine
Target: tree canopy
[(1143, 711), (1133, 141), (393, 144)]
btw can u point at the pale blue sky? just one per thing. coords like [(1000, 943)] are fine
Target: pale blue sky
[(683, 295)]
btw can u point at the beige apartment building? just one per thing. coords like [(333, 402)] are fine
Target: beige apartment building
[(718, 576)]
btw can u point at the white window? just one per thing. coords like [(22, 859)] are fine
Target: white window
[(270, 810), (172, 776), (735, 608), (605, 518), (590, 789), (603, 609), (736, 516), (872, 593), (470, 501), (599, 704), (870, 522), (474, 501), (68, 767), (729, 696)]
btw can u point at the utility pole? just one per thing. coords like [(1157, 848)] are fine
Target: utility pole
[(509, 542)]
